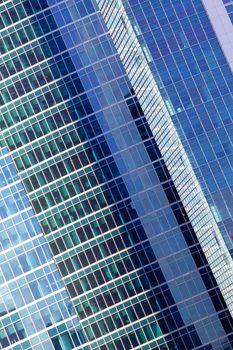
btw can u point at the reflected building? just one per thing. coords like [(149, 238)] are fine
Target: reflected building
[(91, 143)]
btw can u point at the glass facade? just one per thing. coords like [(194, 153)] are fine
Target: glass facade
[(195, 81), (35, 309), (134, 268)]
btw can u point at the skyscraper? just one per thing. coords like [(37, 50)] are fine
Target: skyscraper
[(112, 185), (189, 46), (35, 308)]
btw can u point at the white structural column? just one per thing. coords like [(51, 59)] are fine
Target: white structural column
[(170, 146), (222, 25)]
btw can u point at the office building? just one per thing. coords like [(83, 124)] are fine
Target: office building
[(35, 308), (189, 46), (94, 142)]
